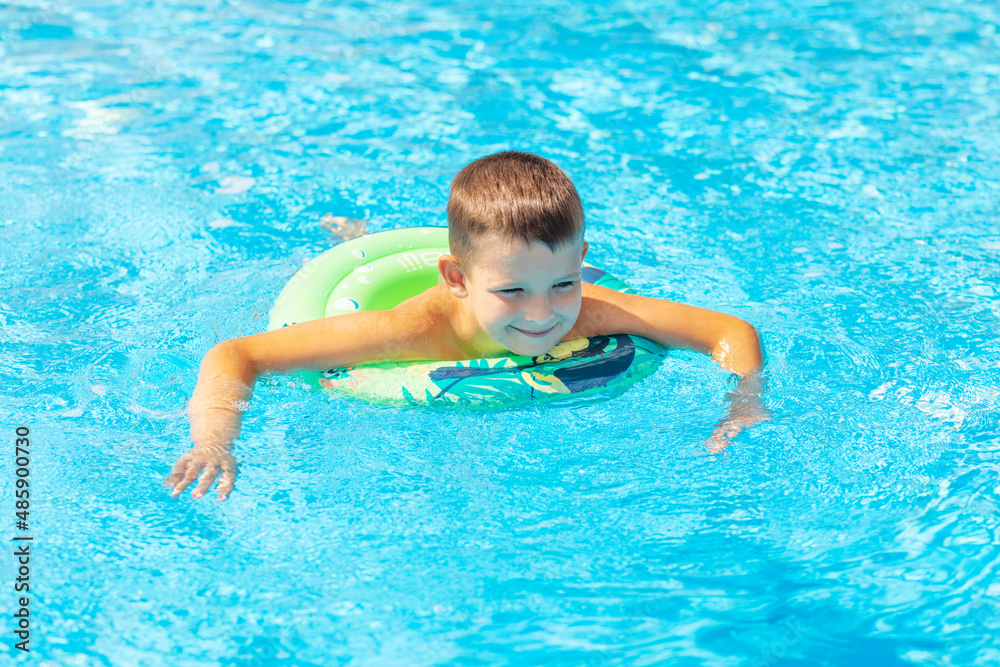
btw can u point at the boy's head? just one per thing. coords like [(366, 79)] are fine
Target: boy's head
[(511, 196), (515, 227)]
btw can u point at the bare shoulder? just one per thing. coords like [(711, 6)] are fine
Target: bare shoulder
[(430, 319)]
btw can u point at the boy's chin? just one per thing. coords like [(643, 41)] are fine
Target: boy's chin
[(528, 350)]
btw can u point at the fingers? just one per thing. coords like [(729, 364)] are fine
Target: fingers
[(209, 473), (727, 430), (189, 466), (177, 472), (227, 481), (193, 469), (717, 443)]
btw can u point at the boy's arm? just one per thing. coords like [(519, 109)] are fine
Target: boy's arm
[(411, 331), (732, 342)]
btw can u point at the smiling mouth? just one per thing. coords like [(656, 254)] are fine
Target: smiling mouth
[(534, 334)]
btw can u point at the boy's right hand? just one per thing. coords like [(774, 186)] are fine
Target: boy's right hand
[(209, 462)]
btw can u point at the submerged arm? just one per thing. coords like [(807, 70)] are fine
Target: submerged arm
[(222, 395), (745, 409), (733, 343)]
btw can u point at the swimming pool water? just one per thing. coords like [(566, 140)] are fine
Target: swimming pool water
[(825, 170)]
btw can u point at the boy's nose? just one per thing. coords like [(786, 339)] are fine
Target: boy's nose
[(539, 311)]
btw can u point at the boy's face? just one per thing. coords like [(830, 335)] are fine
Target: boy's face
[(525, 297)]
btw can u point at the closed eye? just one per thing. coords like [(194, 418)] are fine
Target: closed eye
[(515, 290)]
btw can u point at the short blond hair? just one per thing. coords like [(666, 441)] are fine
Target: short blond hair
[(512, 195)]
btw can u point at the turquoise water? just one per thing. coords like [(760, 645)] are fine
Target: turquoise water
[(826, 171)]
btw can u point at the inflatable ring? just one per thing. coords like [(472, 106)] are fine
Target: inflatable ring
[(378, 271)]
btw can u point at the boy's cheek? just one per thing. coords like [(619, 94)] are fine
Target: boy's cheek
[(572, 303)]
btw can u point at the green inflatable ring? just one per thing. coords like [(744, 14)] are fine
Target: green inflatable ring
[(378, 271)]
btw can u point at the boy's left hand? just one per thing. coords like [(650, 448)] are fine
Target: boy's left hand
[(745, 410), (730, 427)]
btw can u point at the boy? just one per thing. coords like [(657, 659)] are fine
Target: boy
[(511, 285)]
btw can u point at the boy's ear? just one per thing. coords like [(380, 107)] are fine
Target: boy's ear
[(453, 275), (585, 246)]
